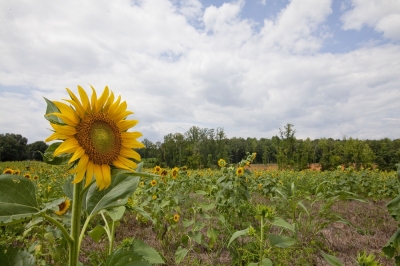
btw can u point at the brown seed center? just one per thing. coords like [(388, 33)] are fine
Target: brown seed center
[(100, 137)]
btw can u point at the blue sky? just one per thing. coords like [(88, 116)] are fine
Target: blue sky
[(329, 67)]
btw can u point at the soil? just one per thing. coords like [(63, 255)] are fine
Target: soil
[(373, 227)]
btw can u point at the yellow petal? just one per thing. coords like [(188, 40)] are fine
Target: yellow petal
[(99, 176), (68, 146), (124, 125), (57, 136), (108, 103), (89, 173), (131, 135), (132, 144), (129, 153), (67, 111), (65, 119), (81, 169), (76, 103), (95, 108), (126, 162), (103, 98), (77, 154), (84, 99), (66, 130), (105, 169)]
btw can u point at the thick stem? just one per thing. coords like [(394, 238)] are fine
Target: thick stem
[(110, 250), (261, 240), (75, 225)]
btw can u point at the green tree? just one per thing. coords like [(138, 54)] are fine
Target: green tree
[(35, 150), (12, 147)]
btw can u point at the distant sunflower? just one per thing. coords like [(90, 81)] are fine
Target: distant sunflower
[(17, 172), (94, 131), (153, 183), (164, 172), (63, 207), (175, 172), (239, 171), (8, 171), (36, 177), (27, 176), (154, 197), (176, 218), (221, 163), (157, 169)]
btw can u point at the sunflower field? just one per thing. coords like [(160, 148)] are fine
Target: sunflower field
[(229, 216)]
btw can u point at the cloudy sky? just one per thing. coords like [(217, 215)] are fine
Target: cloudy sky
[(329, 67)]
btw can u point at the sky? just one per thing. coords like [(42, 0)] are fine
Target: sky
[(331, 68)]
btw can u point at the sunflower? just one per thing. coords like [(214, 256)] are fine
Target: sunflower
[(27, 175), (175, 172), (176, 218), (141, 184), (164, 172), (16, 172), (154, 197), (157, 169), (94, 132), (221, 163), (153, 183), (63, 207), (8, 171), (36, 177), (239, 171)]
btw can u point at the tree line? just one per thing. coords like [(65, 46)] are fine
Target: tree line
[(14, 147), (203, 147)]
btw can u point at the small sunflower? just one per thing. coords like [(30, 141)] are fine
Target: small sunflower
[(175, 172), (176, 218), (94, 132), (63, 207), (141, 184), (154, 197), (153, 183), (17, 172), (221, 163), (164, 172), (184, 168), (157, 169), (36, 177), (8, 171), (27, 176), (239, 171)]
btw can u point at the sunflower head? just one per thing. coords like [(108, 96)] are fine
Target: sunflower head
[(8, 171), (164, 172), (157, 169), (153, 183), (221, 163), (176, 218), (154, 197), (239, 171), (63, 207), (94, 135), (17, 172), (27, 176), (175, 172)]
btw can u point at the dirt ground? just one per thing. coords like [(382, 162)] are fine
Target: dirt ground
[(374, 226)]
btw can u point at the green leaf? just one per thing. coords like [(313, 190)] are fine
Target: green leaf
[(139, 167), (48, 156), (282, 223), (96, 233), (281, 241), (116, 213), (201, 192), (237, 234), (196, 236), (332, 260), (392, 244), (143, 213), (148, 253), (122, 186), (52, 108), (17, 199), (10, 256), (123, 257), (180, 254), (266, 262)]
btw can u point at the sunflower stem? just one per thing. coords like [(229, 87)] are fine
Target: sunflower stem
[(75, 225)]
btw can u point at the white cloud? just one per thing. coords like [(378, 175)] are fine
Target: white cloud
[(382, 15), (174, 74)]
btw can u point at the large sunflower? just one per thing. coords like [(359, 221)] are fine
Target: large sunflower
[(94, 131)]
